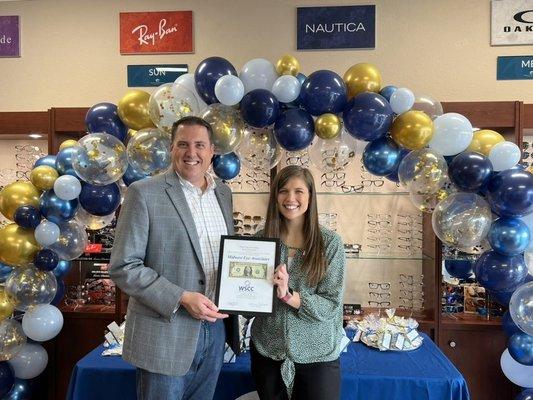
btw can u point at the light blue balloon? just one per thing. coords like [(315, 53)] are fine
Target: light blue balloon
[(67, 187), (46, 233)]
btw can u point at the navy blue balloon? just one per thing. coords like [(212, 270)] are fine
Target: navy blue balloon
[(103, 117), (461, 269), (7, 377), (501, 273), (394, 175), (20, 391), (529, 278), (46, 260), (510, 193), (55, 209), (526, 394), (60, 292), (208, 73), (323, 92), (226, 166), (509, 236), (520, 347), (368, 116), (64, 161), (132, 175), (387, 91), (508, 325), (381, 157), (259, 108), (469, 171), (63, 266), (100, 200), (502, 298), (5, 271), (294, 129), (49, 161), (27, 217)]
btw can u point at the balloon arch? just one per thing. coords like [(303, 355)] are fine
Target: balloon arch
[(470, 180)]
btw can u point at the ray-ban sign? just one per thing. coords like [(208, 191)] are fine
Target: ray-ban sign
[(156, 32), (342, 27)]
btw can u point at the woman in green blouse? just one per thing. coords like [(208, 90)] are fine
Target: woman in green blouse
[(295, 351)]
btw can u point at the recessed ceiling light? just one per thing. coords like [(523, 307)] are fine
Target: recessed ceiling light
[(35, 135)]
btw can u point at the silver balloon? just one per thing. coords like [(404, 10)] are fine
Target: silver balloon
[(330, 155), (149, 151), (72, 240), (100, 159), (12, 339), (428, 104), (93, 222), (423, 171), (462, 220), (521, 307), (31, 286), (170, 102), (259, 150)]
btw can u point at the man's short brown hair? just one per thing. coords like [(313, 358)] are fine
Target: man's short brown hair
[(191, 121)]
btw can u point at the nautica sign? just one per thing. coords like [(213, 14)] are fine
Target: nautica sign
[(344, 27)]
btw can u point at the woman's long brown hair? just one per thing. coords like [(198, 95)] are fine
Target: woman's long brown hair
[(313, 258)]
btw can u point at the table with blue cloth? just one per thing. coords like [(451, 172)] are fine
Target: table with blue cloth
[(367, 374)]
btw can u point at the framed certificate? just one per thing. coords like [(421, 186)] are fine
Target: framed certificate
[(245, 275)]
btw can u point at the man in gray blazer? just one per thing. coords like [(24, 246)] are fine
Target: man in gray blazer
[(165, 257)]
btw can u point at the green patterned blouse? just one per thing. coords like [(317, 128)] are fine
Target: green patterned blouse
[(313, 332)]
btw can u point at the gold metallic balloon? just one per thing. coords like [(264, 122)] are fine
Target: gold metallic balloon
[(228, 127), (484, 140), (412, 130), (16, 194), (68, 143), (288, 65), (361, 78), (328, 126), (43, 177), (12, 339), (18, 246), (133, 109), (7, 305)]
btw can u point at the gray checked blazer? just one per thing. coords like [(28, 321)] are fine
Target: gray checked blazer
[(156, 257)]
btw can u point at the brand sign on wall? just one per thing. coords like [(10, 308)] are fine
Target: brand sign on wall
[(9, 36), (156, 32), (511, 22), (154, 75), (343, 27), (515, 67)]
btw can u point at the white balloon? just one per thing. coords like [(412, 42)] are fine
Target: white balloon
[(42, 322), (46, 233), (402, 100), (504, 155), (286, 88), (258, 74), (67, 187), (30, 361), (519, 374), (229, 90), (187, 80), (452, 134)]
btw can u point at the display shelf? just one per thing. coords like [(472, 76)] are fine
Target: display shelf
[(457, 319), (387, 257)]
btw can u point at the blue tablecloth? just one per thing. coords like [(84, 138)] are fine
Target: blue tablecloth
[(367, 374)]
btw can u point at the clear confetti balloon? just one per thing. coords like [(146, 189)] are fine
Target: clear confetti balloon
[(93, 222), (100, 159), (228, 127), (521, 307), (149, 151), (12, 339), (31, 286), (428, 202), (423, 171), (462, 220), (72, 240), (259, 151), (169, 103), (335, 154)]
